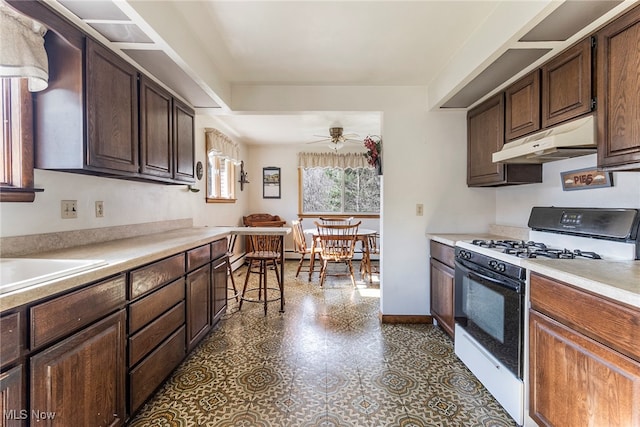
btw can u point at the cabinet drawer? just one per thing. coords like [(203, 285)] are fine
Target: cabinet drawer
[(198, 256), (443, 253), (147, 278), (153, 370), (601, 319), (149, 337), (148, 308), (69, 313), (218, 248), (11, 337)]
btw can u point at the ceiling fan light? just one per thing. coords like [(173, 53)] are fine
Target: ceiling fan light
[(336, 145)]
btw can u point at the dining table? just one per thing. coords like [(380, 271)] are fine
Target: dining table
[(362, 236), (267, 231)]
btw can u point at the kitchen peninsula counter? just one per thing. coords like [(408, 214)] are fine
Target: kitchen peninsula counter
[(120, 255), (617, 280)]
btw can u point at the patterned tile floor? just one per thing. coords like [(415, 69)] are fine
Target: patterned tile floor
[(327, 361)]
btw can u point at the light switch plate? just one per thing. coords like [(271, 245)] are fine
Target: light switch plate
[(419, 209), (69, 209)]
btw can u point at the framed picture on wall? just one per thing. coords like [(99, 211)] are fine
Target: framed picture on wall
[(271, 183)]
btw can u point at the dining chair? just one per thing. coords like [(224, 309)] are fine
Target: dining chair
[(337, 244), (265, 252), (336, 220), (373, 249), (301, 247)]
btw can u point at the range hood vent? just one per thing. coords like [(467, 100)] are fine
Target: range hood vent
[(572, 139)]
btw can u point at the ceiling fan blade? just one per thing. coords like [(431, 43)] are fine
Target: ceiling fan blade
[(351, 135), (323, 136), (320, 140)]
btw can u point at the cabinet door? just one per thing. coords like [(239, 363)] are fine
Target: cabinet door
[(13, 409), (442, 295), (198, 306), (156, 130), (566, 85), (576, 381), (485, 136), (219, 288), (485, 128), (522, 115), (183, 119), (112, 111), (618, 88), (82, 379)]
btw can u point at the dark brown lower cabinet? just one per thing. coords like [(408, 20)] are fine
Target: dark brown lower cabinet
[(80, 381), (13, 409), (154, 369), (442, 295), (198, 305), (576, 381), (584, 359), (219, 288)]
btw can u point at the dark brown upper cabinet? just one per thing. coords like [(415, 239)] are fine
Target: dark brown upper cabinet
[(618, 86), (566, 85), (485, 136), (87, 120), (112, 111), (523, 106), (156, 130), (184, 133)]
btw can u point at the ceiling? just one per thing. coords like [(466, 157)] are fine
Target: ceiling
[(348, 42)]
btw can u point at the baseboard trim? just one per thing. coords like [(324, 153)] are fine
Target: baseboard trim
[(399, 319)]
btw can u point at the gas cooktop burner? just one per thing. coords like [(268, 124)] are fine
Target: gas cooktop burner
[(530, 249)]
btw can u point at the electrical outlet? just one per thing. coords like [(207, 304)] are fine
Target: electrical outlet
[(419, 209), (69, 209), (99, 209)]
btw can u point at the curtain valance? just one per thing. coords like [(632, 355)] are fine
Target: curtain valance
[(332, 160), (221, 145), (22, 52)]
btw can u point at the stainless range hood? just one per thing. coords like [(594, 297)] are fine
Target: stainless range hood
[(572, 139)]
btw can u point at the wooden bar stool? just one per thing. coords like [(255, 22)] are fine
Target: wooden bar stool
[(231, 244), (264, 254)]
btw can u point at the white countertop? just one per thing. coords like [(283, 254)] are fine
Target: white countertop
[(119, 255)]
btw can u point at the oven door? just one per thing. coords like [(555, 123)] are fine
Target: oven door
[(490, 309)]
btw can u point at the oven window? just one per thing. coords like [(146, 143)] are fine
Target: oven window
[(484, 307)]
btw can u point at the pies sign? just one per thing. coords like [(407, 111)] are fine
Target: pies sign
[(585, 179)]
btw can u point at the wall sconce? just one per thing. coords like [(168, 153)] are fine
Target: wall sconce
[(243, 176)]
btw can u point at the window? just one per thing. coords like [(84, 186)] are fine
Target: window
[(221, 185), (16, 154), (339, 191)]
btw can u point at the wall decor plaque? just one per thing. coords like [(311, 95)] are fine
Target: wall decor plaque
[(585, 179), (271, 183)]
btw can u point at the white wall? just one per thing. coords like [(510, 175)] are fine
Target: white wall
[(424, 158), (513, 204)]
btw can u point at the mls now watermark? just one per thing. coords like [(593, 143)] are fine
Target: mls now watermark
[(23, 414)]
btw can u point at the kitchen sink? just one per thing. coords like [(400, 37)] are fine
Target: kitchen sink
[(17, 273)]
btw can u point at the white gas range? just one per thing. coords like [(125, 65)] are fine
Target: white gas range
[(490, 286)]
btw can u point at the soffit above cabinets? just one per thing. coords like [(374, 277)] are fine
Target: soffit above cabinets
[(541, 42), (123, 35)]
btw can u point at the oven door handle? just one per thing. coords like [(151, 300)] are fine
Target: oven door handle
[(503, 283)]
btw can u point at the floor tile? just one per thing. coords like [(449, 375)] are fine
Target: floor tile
[(326, 361)]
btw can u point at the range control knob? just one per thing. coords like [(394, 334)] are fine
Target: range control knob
[(501, 267), (493, 264), (464, 255)]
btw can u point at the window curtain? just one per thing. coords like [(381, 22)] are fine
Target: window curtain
[(221, 145), (332, 160), (22, 53)]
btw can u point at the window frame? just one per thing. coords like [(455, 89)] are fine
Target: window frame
[(231, 173), (17, 142), (301, 214)]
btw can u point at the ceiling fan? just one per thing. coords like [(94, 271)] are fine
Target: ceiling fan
[(337, 139)]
